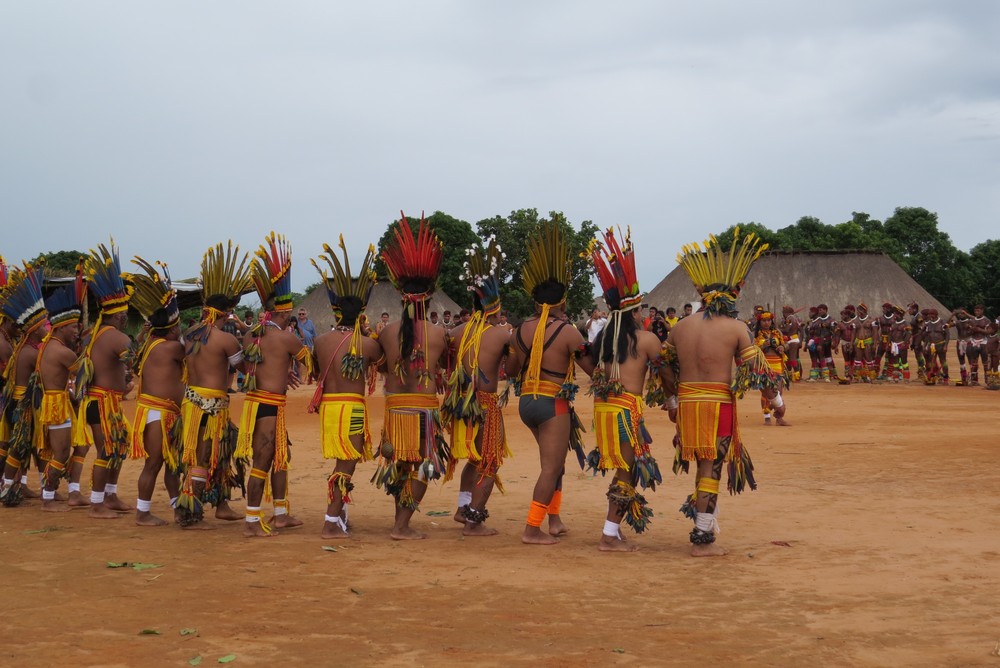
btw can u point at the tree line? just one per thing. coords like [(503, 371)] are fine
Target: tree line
[(910, 236)]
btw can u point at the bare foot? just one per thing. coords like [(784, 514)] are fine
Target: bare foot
[(615, 544), (406, 533), (54, 506), (60, 496), (535, 536), (114, 503), (224, 511), (478, 529), (77, 501), (148, 519), (556, 526), (255, 530), (459, 516), (99, 511), (285, 522), (331, 530), (30, 494), (783, 423), (709, 550)]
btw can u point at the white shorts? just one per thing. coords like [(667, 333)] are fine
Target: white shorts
[(153, 415), (65, 425)]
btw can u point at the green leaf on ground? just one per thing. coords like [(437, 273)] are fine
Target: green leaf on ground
[(229, 658), (329, 548), (195, 660), (618, 650), (356, 591), (188, 632), (149, 632), (43, 530), (142, 567), (117, 564), (438, 513)]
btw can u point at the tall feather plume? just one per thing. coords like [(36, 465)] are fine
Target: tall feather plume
[(154, 292), (548, 258), (719, 275), (339, 282), (272, 272), (407, 257)]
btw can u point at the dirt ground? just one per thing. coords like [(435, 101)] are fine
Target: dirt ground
[(873, 540)]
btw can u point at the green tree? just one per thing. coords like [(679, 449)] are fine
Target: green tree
[(456, 236), (927, 254), (809, 233), (61, 263), (511, 231), (768, 236), (985, 260)]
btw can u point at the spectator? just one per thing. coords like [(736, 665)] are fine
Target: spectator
[(595, 324)]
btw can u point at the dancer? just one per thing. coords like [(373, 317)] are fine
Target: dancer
[(703, 399), (344, 357), (472, 408), (935, 342), (772, 342), (57, 358), (865, 331), (413, 449), (899, 343), (157, 429), (211, 470), (271, 353), (100, 384), (544, 352), (844, 336), (792, 328), (623, 355)]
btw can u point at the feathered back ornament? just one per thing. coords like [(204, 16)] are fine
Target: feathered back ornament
[(614, 265), (4, 281), (104, 272), (65, 304), (154, 296), (224, 277), (341, 288), (272, 273), (482, 273), (718, 275), (548, 260)]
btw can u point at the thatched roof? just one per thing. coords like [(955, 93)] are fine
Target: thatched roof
[(384, 297), (803, 279)]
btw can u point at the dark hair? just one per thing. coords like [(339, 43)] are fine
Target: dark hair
[(220, 302), (602, 349), (350, 309), (549, 292)]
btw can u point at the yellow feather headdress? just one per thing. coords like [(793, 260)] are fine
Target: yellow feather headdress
[(718, 275)]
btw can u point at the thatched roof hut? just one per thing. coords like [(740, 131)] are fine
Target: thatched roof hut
[(384, 297), (803, 279)]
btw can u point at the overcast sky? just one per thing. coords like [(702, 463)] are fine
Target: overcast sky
[(173, 125)]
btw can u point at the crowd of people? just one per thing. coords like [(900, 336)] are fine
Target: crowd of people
[(64, 385)]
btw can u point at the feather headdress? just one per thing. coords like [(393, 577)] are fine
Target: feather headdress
[(342, 288), (23, 302), (482, 273), (272, 273), (65, 304), (549, 259), (104, 273), (339, 282), (225, 276), (718, 275), (614, 265), (154, 296), (4, 281), (413, 259)]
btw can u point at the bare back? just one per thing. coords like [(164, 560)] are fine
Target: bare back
[(278, 347), (162, 372), (706, 347), (633, 369), (107, 355), (563, 341), (330, 350), (54, 365), (434, 348), (209, 366)]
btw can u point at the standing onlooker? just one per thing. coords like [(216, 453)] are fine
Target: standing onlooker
[(595, 323)]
